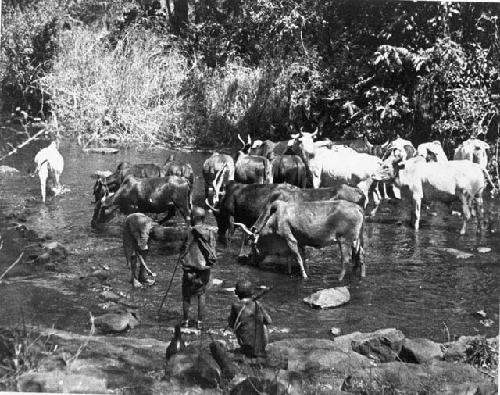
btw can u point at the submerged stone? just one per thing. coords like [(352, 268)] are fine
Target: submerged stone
[(327, 298)]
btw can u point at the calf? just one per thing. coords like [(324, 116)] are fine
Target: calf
[(49, 165), (288, 169), (148, 195), (174, 167), (294, 225), (439, 181), (106, 185)]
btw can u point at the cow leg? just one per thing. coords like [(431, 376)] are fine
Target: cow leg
[(58, 188), (294, 248), (343, 258), (133, 269), (358, 259), (465, 211), (302, 250), (43, 184), (478, 207), (417, 203)]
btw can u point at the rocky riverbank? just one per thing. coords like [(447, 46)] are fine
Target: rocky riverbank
[(384, 361)]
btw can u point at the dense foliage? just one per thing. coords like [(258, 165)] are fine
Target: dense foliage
[(201, 71)]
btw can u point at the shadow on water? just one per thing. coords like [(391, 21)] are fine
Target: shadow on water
[(413, 282)]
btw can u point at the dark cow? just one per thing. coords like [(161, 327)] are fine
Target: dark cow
[(149, 195), (296, 224), (173, 167), (446, 182), (105, 185), (252, 169), (246, 202), (215, 164), (288, 169)]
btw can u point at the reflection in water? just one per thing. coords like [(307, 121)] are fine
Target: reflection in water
[(412, 282)]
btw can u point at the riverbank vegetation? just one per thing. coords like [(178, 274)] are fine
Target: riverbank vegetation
[(200, 72)]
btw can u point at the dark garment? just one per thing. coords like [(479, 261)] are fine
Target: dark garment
[(195, 282), (249, 319), (198, 250)]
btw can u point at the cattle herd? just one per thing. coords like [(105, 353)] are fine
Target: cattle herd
[(291, 194)]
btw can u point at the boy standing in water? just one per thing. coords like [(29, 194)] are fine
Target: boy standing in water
[(198, 256), (249, 319)]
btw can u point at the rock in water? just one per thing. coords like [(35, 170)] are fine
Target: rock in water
[(116, 322), (457, 253), (331, 297), (176, 344), (483, 250), (8, 170)]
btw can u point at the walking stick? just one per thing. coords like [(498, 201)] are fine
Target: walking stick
[(168, 288)]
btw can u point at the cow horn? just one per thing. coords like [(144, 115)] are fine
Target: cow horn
[(244, 227), (242, 142), (217, 182), (249, 139), (315, 132), (215, 210)]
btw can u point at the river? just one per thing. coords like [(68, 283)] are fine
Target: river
[(412, 282)]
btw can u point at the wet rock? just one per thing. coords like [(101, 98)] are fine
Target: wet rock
[(57, 251), (420, 350), (57, 381), (458, 254), (327, 298), (434, 378), (42, 259), (116, 322), (335, 331), (194, 366), (383, 345), (483, 250), (258, 386), (7, 170), (109, 295)]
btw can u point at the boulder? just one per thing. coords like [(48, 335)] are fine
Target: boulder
[(7, 170), (382, 345), (316, 354), (433, 378), (327, 298), (116, 322), (420, 350), (258, 386), (58, 381), (194, 367)]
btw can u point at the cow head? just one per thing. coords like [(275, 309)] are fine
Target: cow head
[(305, 141), (101, 190)]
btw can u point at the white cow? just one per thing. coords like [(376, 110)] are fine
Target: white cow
[(474, 150), (432, 152), (49, 163), (438, 181)]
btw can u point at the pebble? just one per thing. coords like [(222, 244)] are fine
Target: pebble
[(483, 250)]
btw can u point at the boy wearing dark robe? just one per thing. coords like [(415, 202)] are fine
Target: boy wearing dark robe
[(249, 319), (197, 257)]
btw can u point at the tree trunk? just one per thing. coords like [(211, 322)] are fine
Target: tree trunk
[(180, 14)]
